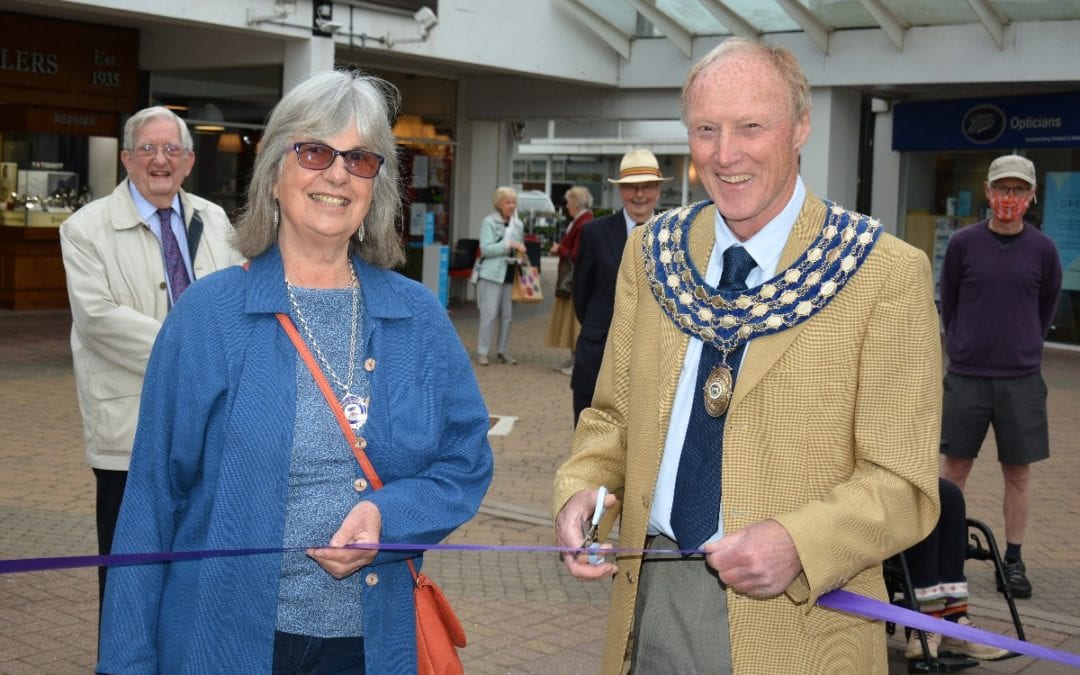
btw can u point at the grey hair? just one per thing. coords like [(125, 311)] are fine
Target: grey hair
[(324, 105), (783, 60), (136, 122), (502, 192), (580, 195)]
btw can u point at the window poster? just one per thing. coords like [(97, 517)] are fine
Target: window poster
[(1062, 222)]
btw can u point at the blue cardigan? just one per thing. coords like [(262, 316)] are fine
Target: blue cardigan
[(210, 466)]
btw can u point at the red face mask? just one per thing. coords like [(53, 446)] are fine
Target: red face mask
[(1009, 208)]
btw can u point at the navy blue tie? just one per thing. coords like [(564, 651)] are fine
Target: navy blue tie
[(174, 260), (695, 508)]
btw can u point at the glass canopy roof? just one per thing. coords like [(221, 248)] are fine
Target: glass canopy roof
[(703, 17)]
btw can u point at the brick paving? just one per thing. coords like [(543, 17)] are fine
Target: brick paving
[(522, 613)]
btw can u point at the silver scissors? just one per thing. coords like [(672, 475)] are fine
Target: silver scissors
[(593, 532)]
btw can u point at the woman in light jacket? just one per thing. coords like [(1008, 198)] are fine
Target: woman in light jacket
[(501, 239)]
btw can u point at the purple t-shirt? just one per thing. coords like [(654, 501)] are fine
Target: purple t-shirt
[(997, 300)]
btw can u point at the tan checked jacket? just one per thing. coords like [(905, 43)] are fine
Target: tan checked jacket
[(833, 431)]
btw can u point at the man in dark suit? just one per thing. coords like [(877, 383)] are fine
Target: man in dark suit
[(599, 253)]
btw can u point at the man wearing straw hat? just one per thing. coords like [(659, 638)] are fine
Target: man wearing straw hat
[(599, 253)]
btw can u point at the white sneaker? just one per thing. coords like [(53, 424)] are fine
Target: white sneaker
[(975, 651), (914, 648)]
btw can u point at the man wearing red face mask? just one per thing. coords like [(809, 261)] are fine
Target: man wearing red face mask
[(999, 288)]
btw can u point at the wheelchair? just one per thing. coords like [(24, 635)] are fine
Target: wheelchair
[(900, 589)]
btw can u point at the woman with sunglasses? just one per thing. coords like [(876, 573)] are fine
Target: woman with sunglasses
[(239, 448)]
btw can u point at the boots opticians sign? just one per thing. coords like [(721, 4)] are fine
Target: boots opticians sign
[(65, 63), (1039, 121)]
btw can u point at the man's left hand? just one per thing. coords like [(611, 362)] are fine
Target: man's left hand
[(760, 560)]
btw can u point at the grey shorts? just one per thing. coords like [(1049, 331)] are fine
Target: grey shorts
[(1015, 406)]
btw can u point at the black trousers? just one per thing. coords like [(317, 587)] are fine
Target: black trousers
[(110, 492), (940, 557)]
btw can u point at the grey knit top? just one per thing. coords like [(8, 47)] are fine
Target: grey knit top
[(321, 474)]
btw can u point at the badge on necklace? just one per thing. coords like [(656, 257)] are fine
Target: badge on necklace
[(717, 390), (356, 410)]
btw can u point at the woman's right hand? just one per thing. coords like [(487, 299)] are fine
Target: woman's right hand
[(363, 525)]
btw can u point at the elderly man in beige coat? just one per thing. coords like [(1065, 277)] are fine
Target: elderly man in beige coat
[(120, 288), (828, 439)]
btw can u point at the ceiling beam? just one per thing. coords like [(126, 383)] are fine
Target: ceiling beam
[(731, 19), (615, 38), (991, 19), (816, 29), (671, 30), (893, 25)]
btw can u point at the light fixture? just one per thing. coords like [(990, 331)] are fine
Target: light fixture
[(229, 143), (210, 119), (322, 18), (409, 126), (427, 20), (327, 26), (282, 9)]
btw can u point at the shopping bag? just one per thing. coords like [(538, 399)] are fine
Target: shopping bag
[(564, 283), (526, 286)]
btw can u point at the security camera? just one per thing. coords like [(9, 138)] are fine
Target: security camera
[(328, 25), (426, 18)]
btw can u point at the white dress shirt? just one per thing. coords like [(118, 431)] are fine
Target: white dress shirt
[(765, 247)]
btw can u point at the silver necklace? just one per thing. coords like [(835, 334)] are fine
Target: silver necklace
[(355, 407), (788, 299)]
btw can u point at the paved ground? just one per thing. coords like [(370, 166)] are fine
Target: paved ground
[(522, 613)]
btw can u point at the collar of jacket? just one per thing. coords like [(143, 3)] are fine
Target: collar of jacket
[(266, 288)]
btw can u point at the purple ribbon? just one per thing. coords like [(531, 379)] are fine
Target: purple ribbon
[(844, 601), (853, 603)]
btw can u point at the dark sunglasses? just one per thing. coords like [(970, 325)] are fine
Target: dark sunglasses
[(319, 156)]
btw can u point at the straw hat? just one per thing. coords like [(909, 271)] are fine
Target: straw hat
[(639, 166)]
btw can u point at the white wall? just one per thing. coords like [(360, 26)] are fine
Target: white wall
[(885, 190), (483, 176), (103, 165), (830, 158)]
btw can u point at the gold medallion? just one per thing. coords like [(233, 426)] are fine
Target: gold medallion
[(717, 390)]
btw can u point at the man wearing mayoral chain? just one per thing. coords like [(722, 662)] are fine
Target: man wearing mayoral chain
[(769, 401)]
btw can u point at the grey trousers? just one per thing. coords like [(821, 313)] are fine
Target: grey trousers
[(681, 618), (493, 301)]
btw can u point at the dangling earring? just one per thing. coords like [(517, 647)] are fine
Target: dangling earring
[(360, 234), (277, 214)]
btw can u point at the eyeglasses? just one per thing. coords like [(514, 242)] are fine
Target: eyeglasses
[(318, 156), (151, 150), (1006, 191)]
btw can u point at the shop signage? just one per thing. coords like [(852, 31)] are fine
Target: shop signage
[(1013, 122), (65, 63), (41, 119)]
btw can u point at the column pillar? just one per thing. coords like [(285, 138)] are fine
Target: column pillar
[(304, 57), (830, 158)]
